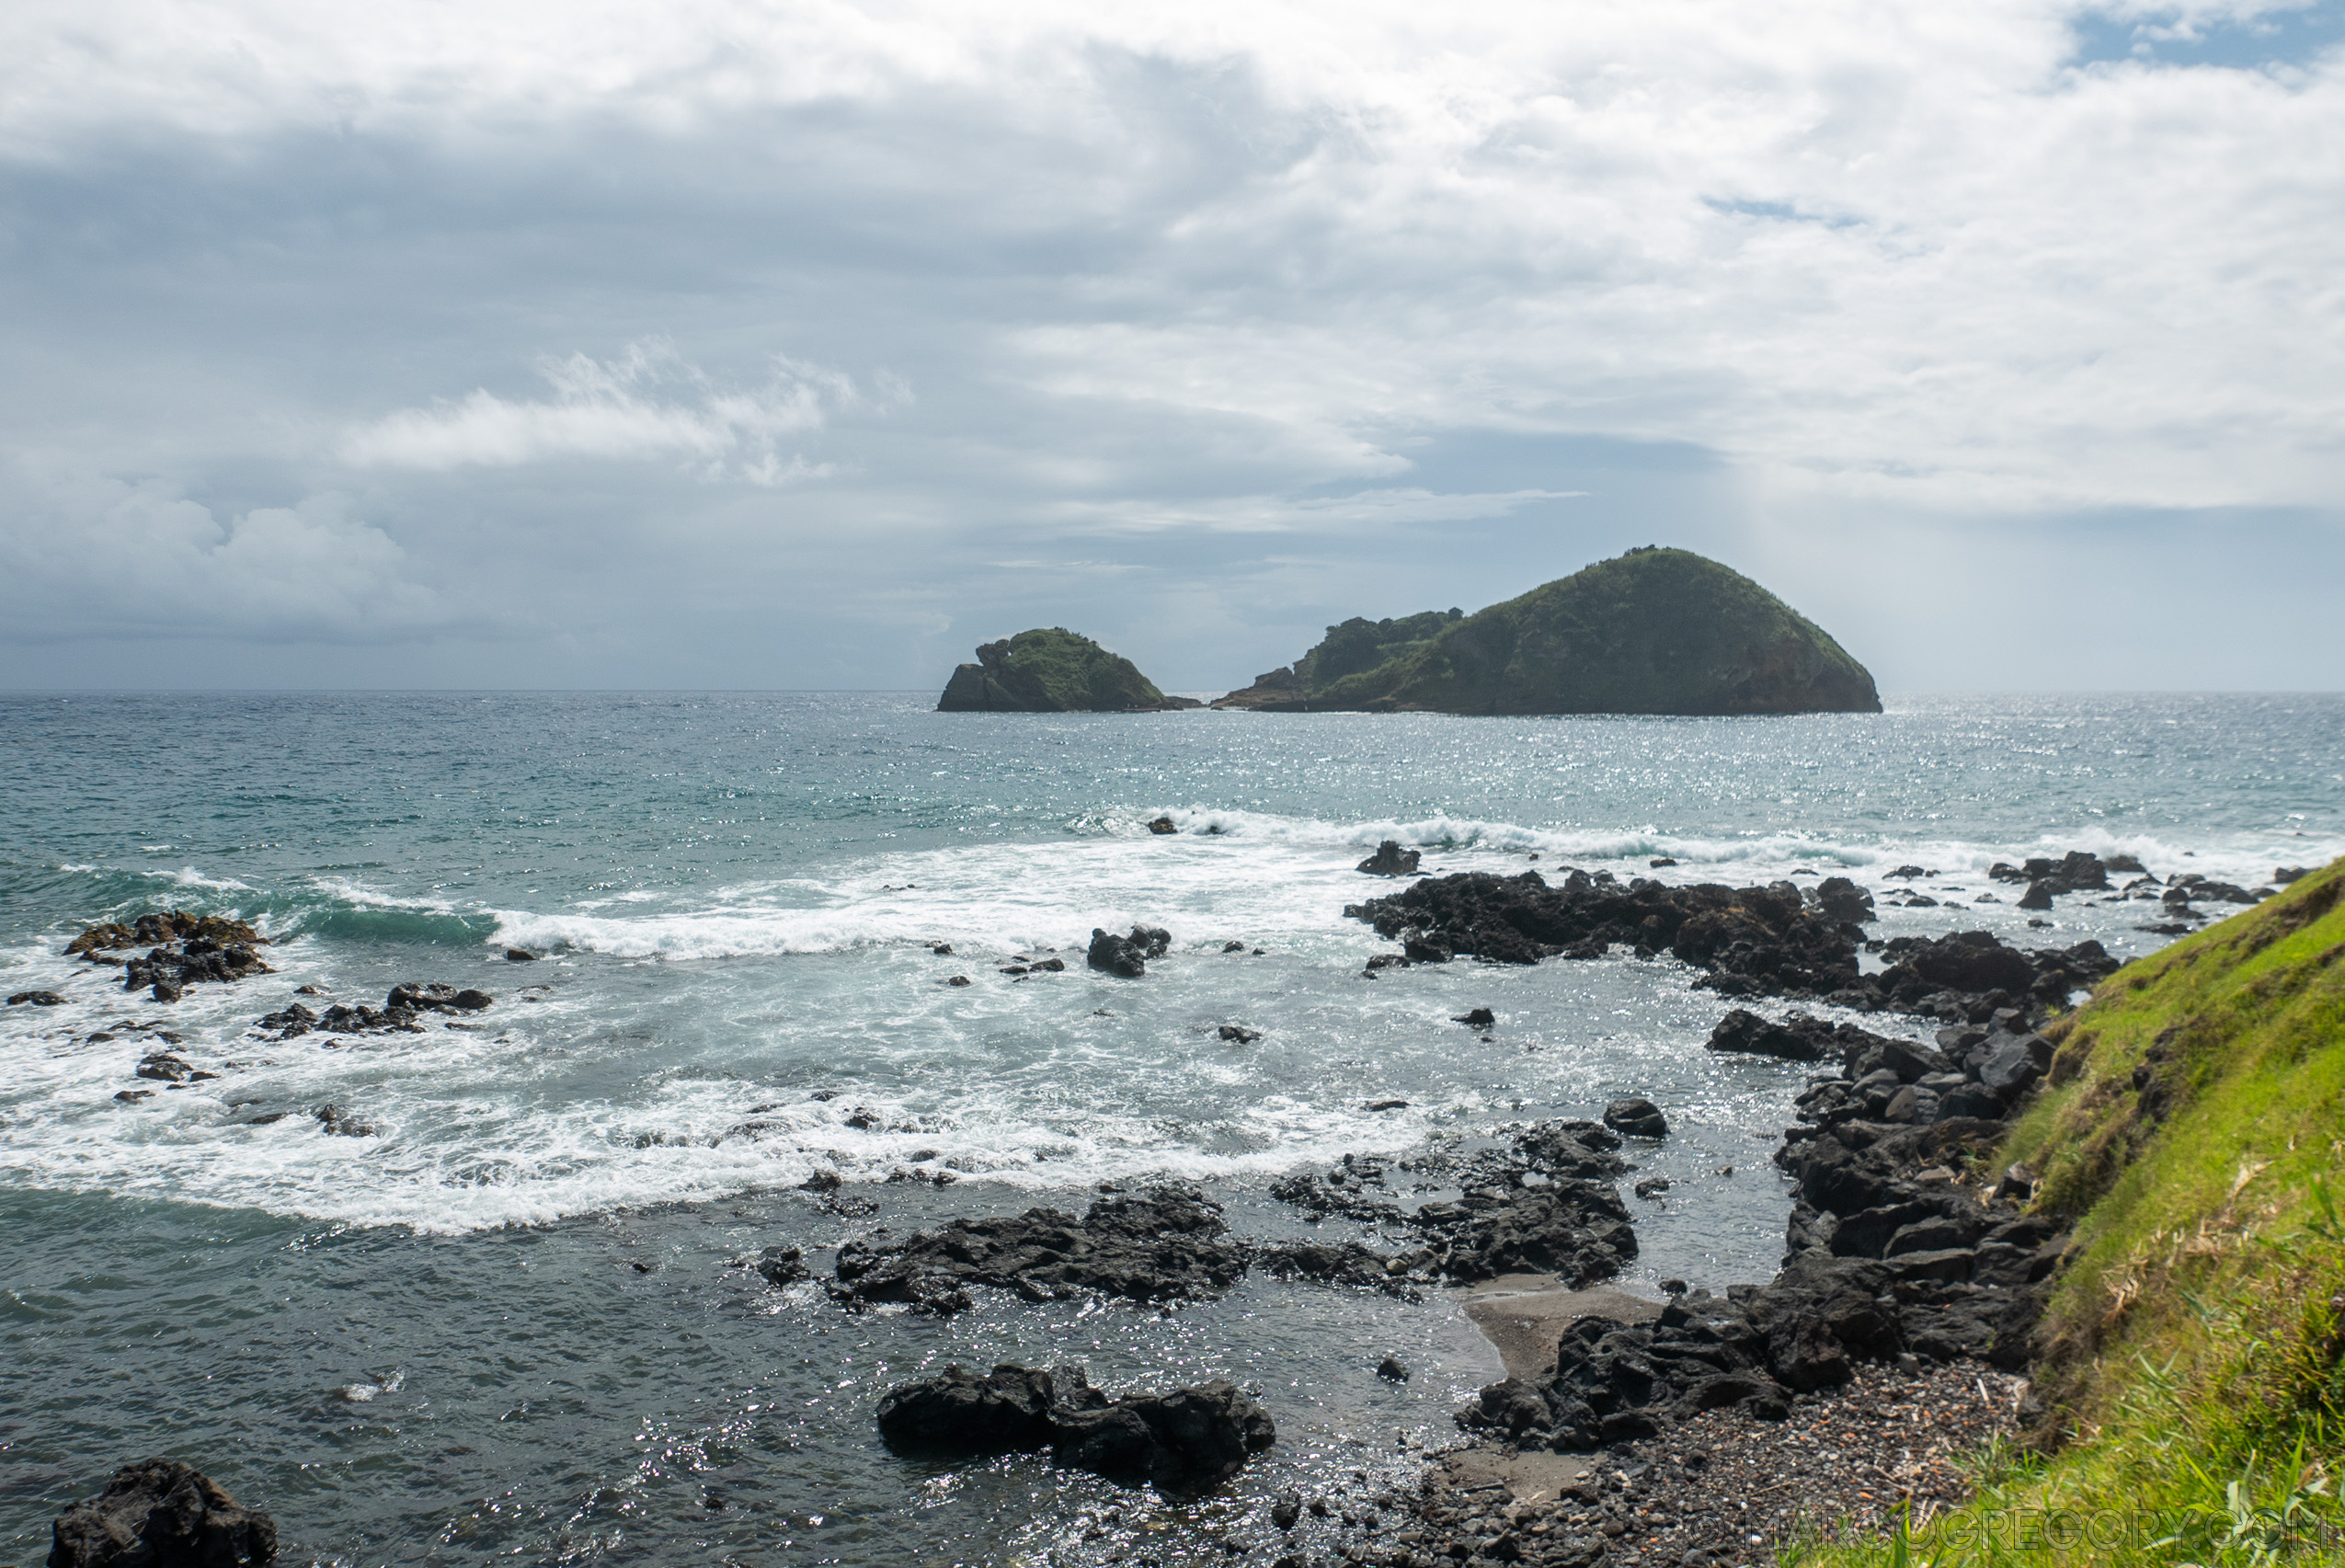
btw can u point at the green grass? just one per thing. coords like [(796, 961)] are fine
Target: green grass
[(2191, 1347), (1075, 673), (1655, 631)]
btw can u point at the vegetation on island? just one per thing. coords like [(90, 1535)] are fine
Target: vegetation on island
[(1655, 631), (2193, 1355), (1052, 670)]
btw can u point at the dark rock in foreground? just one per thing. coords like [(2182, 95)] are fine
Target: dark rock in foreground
[(1772, 938), (401, 1010), (1800, 1038), (184, 950), (2077, 871), (1545, 1205), (1167, 1244), (162, 1513), (1127, 957), (1771, 941), (1391, 859), (1637, 1117), (159, 931), (1890, 1254), (1182, 1442)]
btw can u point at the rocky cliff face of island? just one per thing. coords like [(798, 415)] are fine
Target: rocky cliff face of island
[(1655, 631), (1052, 670)]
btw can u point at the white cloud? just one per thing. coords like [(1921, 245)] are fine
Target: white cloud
[(649, 403), (93, 556), (1386, 509), (1875, 248), (1166, 273)]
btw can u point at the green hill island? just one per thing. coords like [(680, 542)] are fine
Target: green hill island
[(1655, 631), (1052, 670)]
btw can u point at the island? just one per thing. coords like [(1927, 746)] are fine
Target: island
[(1655, 631), (1053, 671)]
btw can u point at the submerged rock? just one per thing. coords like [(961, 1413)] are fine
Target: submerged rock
[(435, 997), (36, 999), (400, 1012), (162, 1513), (1182, 1442), (1636, 1117)]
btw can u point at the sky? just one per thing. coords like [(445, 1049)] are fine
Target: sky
[(477, 343)]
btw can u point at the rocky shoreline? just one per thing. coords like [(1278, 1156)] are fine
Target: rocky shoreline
[(1711, 1431)]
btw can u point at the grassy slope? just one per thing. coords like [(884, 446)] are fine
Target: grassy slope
[(2193, 1345), (1077, 674)]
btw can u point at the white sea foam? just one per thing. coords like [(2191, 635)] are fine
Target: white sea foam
[(365, 896), (603, 1098), (1225, 872)]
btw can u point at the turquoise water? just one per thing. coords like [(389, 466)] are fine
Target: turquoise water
[(736, 897)]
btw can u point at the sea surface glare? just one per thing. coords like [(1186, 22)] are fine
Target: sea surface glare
[(513, 1322)]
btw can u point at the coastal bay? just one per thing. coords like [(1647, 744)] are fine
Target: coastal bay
[(437, 1338)]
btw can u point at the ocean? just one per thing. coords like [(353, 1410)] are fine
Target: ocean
[(513, 1323)]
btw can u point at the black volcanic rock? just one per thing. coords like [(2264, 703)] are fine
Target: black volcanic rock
[(1636, 1116), (1127, 957), (1655, 631), (1753, 939), (1182, 1441), (1169, 1243), (162, 1513)]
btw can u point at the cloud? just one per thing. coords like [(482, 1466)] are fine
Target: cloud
[(94, 558), (1178, 285), (649, 403), (1350, 515)]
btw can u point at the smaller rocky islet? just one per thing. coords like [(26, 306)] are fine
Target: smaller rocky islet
[(1050, 669)]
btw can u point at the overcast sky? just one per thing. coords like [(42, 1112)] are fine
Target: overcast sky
[(707, 344)]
